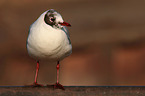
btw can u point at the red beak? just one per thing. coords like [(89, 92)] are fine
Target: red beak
[(65, 24)]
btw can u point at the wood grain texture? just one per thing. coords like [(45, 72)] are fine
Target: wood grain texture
[(73, 91)]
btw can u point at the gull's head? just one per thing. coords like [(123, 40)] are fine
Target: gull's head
[(54, 19)]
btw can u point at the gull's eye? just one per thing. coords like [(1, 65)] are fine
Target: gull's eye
[(52, 19)]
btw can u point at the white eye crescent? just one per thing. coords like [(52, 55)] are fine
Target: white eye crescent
[(52, 19)]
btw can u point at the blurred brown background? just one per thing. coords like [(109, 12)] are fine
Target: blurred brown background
[(108, 38)]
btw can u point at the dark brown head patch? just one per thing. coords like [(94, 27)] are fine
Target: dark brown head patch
[(50, 18)]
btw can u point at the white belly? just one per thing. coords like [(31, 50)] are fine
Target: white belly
[(48, 44)]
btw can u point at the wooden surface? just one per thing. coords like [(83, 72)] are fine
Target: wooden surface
[(73, 91)]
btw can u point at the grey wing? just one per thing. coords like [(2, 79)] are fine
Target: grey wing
[(67, 33), (66, 30)]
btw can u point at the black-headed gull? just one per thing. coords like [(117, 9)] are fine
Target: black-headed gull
[(49, 40)]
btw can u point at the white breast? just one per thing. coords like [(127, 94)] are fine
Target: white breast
[(46, 42)]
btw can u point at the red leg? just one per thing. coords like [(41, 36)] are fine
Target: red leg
[(36, 75), (57, 67), (35, 84), (57, 85)]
